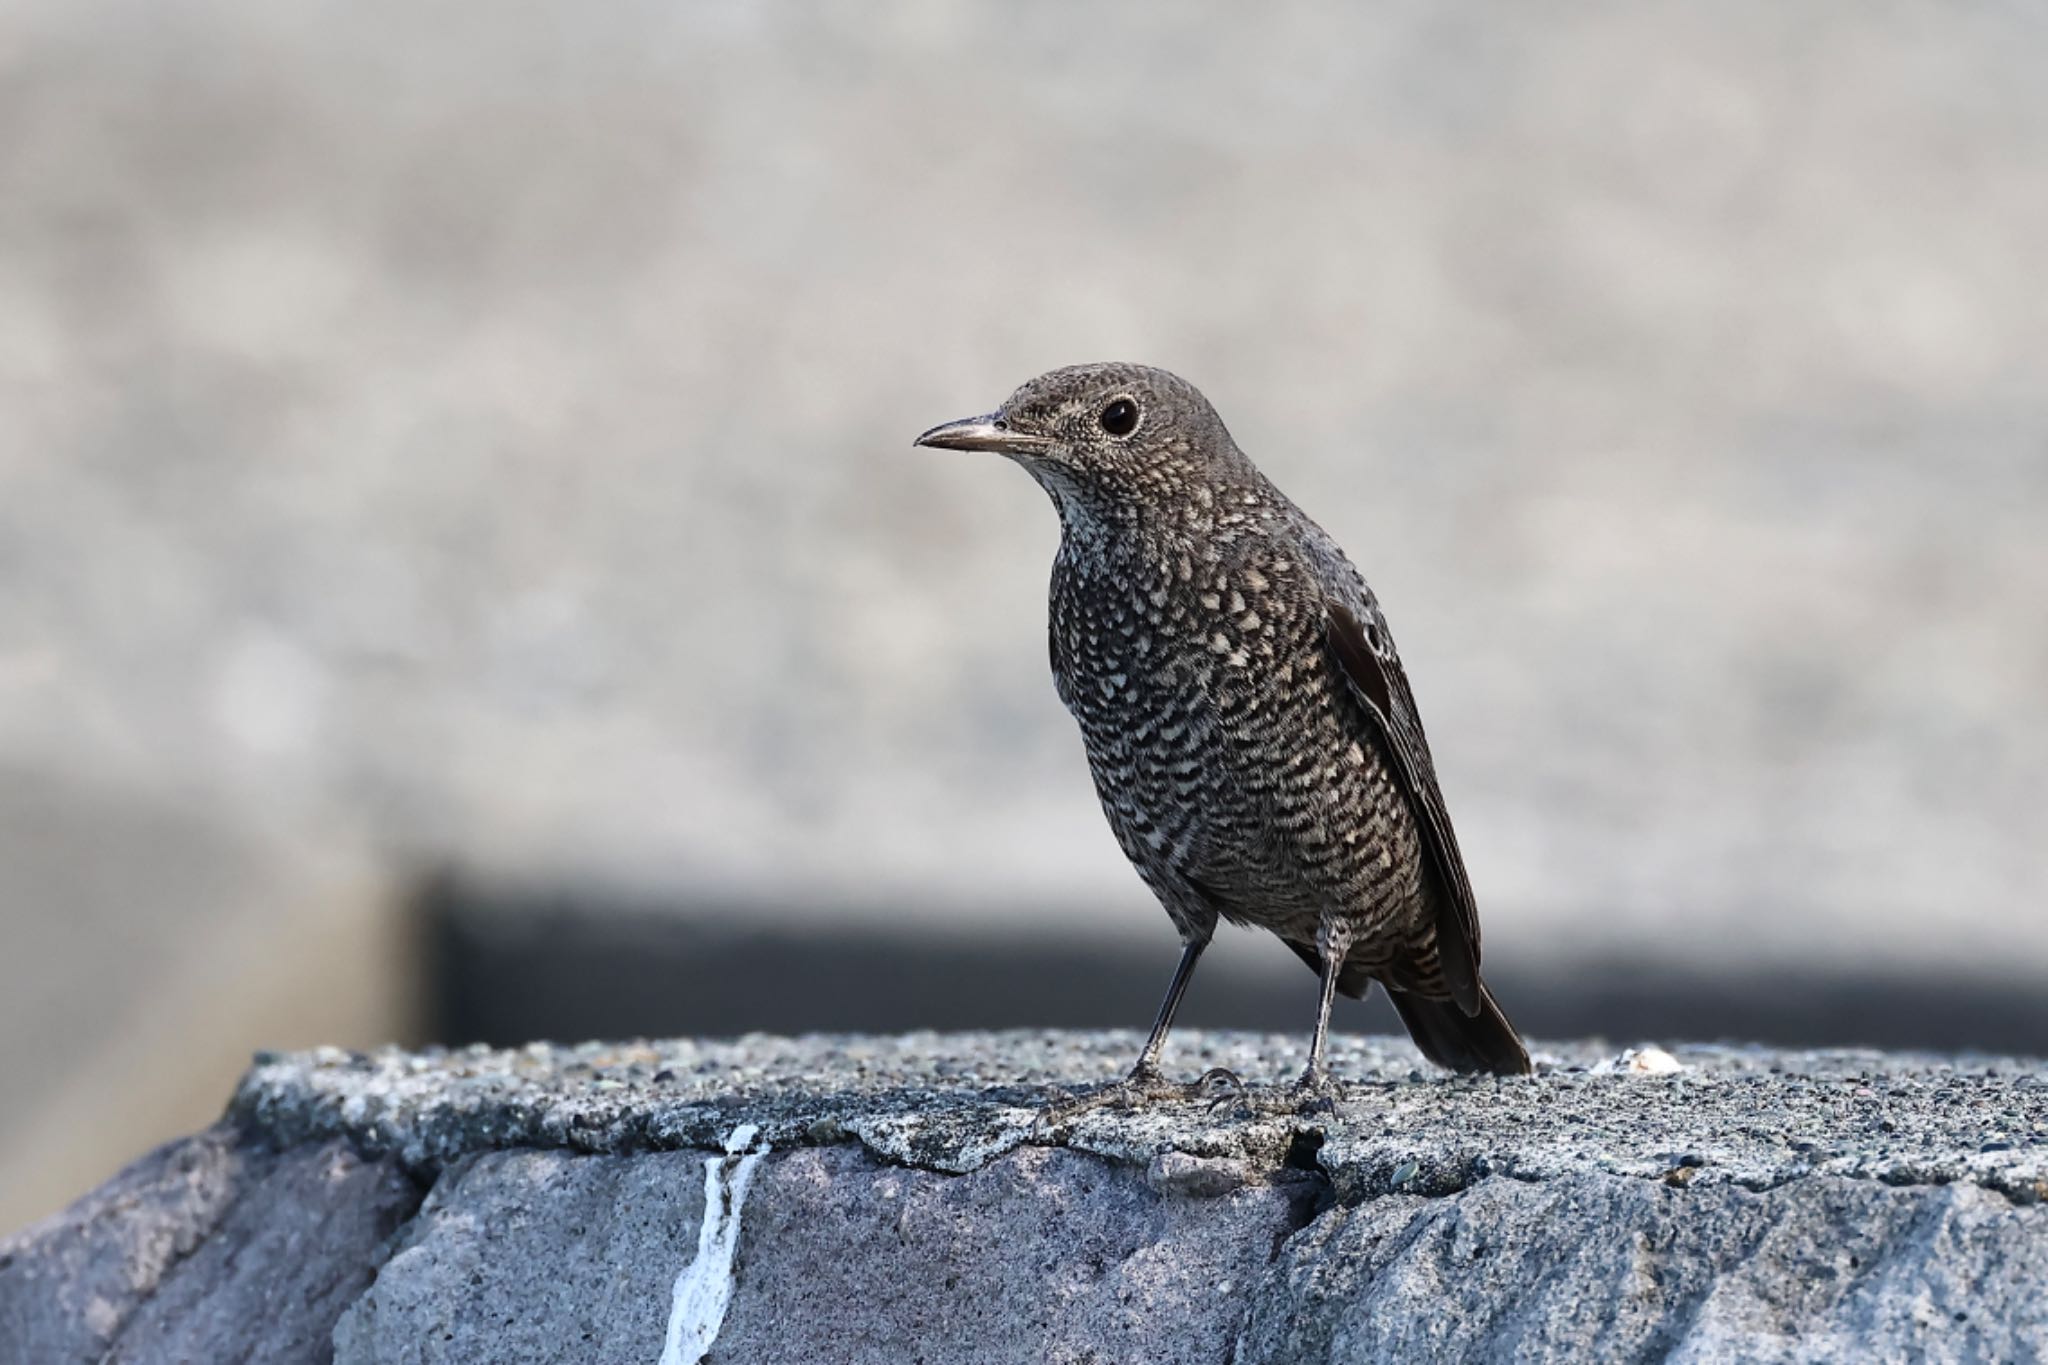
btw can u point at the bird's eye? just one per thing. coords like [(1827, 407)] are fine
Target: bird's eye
[(1120, 418)]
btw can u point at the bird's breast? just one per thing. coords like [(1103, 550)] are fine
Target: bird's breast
[(1169, 662), (1143, 630)]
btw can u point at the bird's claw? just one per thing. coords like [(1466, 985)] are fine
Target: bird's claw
[(1215, 1087), (1219, 1085), (1315, 1093), (1143, 1084)]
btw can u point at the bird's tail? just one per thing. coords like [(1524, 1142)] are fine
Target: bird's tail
[(1448, 1036)]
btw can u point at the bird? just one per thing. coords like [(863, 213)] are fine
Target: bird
[(1248, 724)]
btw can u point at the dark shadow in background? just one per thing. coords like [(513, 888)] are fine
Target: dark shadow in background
[(508, 967)]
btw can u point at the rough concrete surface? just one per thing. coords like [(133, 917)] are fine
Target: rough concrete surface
[(915, 1198), (210, 1249)]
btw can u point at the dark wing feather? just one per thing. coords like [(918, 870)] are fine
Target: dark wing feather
[(1365, 654)]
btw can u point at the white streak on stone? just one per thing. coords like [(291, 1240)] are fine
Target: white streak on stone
[(704, 1289)]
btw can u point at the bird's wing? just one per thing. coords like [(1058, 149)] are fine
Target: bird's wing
[(1364, 653)]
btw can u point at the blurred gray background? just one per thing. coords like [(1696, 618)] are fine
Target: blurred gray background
[(456, 500)]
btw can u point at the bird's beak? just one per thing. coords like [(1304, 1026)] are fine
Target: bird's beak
[(980, 433)]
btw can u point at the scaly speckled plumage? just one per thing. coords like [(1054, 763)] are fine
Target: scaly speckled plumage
[(1250, 729)]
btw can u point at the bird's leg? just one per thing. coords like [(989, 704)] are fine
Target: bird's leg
[(1147, 1069), (1145, 1082), (1314, 1086)]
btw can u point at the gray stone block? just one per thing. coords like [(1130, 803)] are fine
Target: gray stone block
[(299, 1246), (930, 1198), (1038, 1256), (208, 1249), (1600, 1267), (69, 1283), (534, 1256)]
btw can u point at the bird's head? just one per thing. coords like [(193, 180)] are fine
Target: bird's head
[(1103, 436)]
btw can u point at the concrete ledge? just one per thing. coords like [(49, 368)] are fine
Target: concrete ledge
[(906, 1197)]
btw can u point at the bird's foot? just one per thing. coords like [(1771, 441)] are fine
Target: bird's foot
[(1146, 1085), (1315, 1092), (1218, 1086)]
